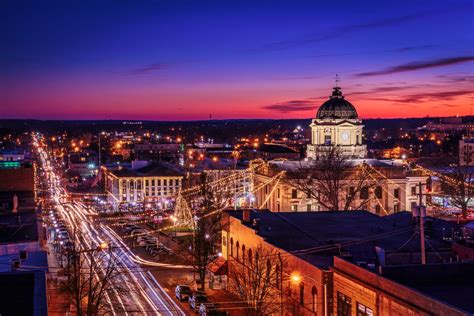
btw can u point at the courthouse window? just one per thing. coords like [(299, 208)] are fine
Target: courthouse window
[(396, 193), (294, 194)]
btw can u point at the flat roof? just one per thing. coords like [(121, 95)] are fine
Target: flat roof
[(452, 283), (297, 231), (19, 227), (152, 170)]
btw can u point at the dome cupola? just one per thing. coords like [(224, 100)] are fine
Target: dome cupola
[(336, 107)]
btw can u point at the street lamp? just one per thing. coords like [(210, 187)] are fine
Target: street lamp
[(297, 278), (174, 219)]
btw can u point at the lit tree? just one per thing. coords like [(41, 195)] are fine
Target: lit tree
[(211, 200), (457, 184), (334, 181)]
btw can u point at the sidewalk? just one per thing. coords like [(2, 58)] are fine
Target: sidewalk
[(58, 302)]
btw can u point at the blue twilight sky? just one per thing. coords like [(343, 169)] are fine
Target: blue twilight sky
[(234, 59)]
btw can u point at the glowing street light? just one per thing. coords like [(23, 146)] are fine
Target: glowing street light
[(296, 278), (103, 246)]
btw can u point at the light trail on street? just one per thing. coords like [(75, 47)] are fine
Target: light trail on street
[(140, 292)]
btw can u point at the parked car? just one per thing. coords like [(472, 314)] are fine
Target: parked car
[(183, 292), (195, 300), (207, 308)]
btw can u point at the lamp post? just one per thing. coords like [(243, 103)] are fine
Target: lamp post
[(297, 278), (174, 219)]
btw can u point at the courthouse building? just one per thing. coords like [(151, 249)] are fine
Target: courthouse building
[(391, 187)]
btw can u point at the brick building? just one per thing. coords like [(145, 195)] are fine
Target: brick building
[(349, 263)]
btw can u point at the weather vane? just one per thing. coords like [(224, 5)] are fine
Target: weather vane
[(337, 80)]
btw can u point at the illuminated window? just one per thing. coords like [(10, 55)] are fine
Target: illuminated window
[(343, 305), (363, 310)]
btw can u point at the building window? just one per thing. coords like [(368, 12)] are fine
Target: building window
[(327, 140), (159, 182), (363, 310), (269, 269), (413, 190), (277, 276), (294, 194), (351, 191), (396, 193), (301, 294), (364, 193), (278, 193), (152, 182), (343, 305), (237, 246), (377, 209), (232, 246), (294, 207), (396, 208), (147, 183), (378, 192), (413, 205), (314, 294), (357, 140), (308, 207), (165, 182)]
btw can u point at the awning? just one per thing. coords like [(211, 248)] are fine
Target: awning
[(218, 266)]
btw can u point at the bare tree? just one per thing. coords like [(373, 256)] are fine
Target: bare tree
[(257, 280), (210, 201), (334, 181), (457, 184), (92, 279)]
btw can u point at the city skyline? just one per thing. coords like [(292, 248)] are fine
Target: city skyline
[(166, 61)]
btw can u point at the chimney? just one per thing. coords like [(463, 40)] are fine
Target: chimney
[(246, 216)]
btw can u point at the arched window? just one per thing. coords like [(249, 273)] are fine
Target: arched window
[(314, 293), (237, 249), (243, 254), (269, 269), (301, 294), (250, 257), (364, 193), (277, 278), (231, 247)]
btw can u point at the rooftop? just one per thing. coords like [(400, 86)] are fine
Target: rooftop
[(21, 227), (152, 170), (335, 229), (452, 283)]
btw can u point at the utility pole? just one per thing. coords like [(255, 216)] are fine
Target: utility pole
[(281, 284), (99, 152), (422, 224)]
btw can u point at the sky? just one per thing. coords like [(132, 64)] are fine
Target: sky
[(187, 60)]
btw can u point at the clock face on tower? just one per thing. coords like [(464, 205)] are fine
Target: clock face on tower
[(345, 136)]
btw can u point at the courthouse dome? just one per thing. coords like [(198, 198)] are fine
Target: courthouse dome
[(336, 107)]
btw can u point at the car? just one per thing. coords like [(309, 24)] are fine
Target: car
[(183, 292), (210, 309), (197, 299)]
